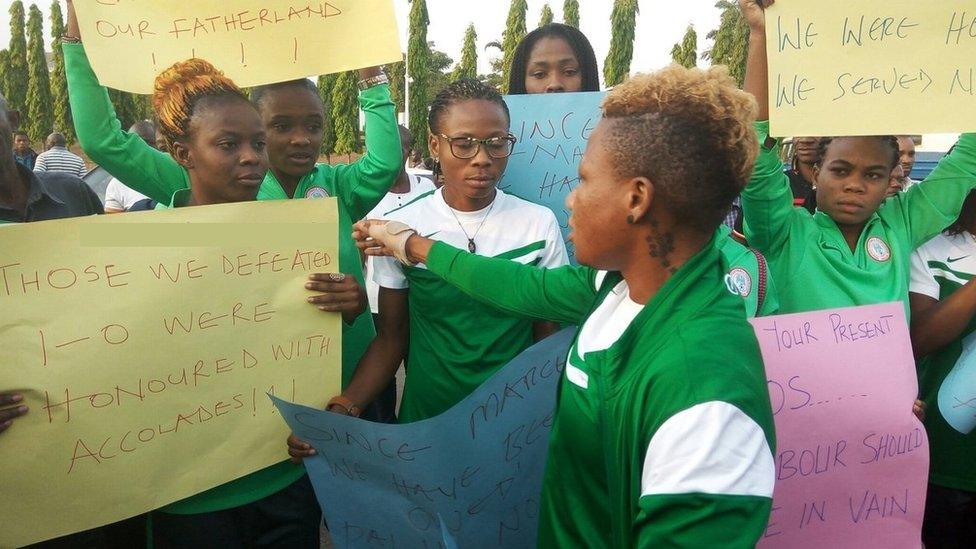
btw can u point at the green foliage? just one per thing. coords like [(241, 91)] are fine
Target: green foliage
[(515, 31), (571, 13), (468, 66), (40, 117), (398, 84), (325, 85), (730, 41), (4, 71), (59, 82), (418, 67), (345, 112), (546, 17), (17, 58), (623, 25), (686, 53)]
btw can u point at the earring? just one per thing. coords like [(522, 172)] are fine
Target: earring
[(630, 220)]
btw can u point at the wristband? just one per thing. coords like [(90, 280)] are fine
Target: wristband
[(367, 83), (394, 235), (346, 404)]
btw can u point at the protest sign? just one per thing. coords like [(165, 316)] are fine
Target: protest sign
[(144, 345), (957, 394), (470, 477), (902, 66), (552, 131), (851, 457), (254, 42)]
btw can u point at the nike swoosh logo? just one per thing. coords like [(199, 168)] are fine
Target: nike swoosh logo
[(435, 232), (951, 260)]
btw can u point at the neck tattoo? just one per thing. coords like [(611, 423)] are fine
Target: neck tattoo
[(471, 245)]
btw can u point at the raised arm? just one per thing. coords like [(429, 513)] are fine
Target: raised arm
[(937, 323), (934, 204), (363, 184), (126, 156)]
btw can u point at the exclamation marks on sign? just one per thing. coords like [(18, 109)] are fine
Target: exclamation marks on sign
[(243, 57), (295, 59)]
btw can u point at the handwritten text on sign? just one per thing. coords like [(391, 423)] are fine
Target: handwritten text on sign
[(254, 42), (851, 458), (903, 66), (148, 366), (552, 132), (470, 477)]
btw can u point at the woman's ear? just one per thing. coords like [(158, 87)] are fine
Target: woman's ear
[(640, 198), (434, 145), (181, 153)]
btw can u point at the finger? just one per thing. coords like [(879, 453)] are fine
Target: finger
[(379, 252), (336, 278), (6, 399), (5, 424), (332, 287), (344, 298), (297, 443), (9, 414)]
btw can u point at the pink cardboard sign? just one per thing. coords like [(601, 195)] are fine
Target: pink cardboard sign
[(851, 458)]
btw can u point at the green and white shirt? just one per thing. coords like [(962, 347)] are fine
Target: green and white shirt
[(663, 435), (939, 268), (456, 342)]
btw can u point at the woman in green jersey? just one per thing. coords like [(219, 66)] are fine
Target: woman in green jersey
[(855, 249), (293, 116), (663, 434), (943, 300)]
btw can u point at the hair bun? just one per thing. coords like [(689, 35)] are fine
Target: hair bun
[(177, 88)]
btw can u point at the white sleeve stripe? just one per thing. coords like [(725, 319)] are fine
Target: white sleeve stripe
[(598, 281), (711, 448)]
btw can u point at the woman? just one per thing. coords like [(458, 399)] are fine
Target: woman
[(856, 248), (293, 117), (456, 343), (943, 299), (552, 59), (663, 433)]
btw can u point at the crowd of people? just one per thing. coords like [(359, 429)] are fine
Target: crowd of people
[(663, 434)]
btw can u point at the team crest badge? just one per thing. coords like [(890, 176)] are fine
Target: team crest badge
[(739, 282), (316, 192), (878, 249)]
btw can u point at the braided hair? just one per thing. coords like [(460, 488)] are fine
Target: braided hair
[(179, 89), (889, 140), (462, 89), (577, 42)]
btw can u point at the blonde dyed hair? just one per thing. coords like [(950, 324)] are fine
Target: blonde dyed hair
[(177, 91), (690, 131)]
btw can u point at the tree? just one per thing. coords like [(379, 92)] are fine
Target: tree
[(398, 83), (17, 57), (571, 13), (59, 83), (730, 41), (325, 85), (494, 78), (686, 53), (514, 33), (40, 118), (418, 68), (546, 16), (623, 22), (4, 71), (438, 69), (468, 66), (345, 112)]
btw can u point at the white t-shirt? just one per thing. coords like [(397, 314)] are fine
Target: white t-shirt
[(392, 201), (950, 258), (120, 197), (513, 228)]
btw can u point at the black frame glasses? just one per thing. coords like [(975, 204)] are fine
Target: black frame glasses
[(491, 144)]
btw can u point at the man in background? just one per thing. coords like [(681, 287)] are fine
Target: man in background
[(57, 158), (118, 197)]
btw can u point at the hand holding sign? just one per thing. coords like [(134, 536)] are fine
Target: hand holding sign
[(253, 41)]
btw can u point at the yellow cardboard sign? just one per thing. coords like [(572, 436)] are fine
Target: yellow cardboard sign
[(147, 369), (254, 42), (871, 67)]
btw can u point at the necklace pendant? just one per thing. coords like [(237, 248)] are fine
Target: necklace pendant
[(471, 246)]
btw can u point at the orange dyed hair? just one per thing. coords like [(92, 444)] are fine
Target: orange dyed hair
[(178, 89)]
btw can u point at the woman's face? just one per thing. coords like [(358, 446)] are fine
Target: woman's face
[(598, 206), (553, 67), (853, 178), (294, 119), (225, 153), (474, 178)]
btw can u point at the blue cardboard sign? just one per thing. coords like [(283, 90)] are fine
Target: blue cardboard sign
[(552, 131), (470, 477)]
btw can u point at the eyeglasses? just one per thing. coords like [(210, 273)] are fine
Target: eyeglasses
[(468, 147)]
